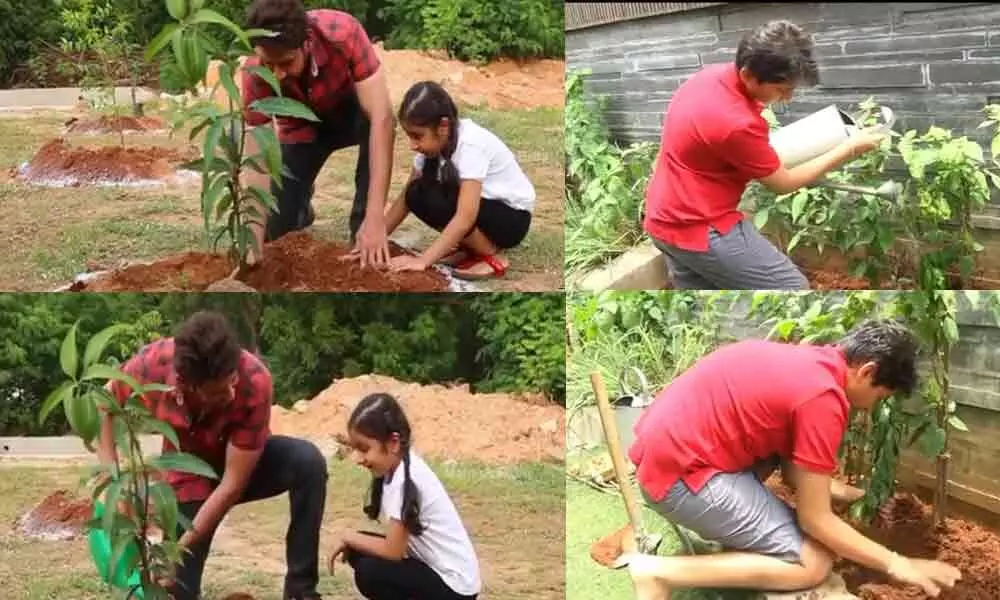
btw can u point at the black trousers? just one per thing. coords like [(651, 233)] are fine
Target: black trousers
[(287, 465), (407, 579), (349, 127), (435, 206)]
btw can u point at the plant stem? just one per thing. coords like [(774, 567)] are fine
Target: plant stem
[(136, 450), (941, 494)]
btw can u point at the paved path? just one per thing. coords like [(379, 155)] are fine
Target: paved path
[(59, 448), (60, 98)]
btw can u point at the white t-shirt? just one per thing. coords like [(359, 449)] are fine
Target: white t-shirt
[(444, 545), (482, 156)]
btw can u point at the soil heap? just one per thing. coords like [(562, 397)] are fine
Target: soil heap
[(449, 422), (60, 516)]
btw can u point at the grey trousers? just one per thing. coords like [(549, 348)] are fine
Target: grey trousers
[(743, 259)]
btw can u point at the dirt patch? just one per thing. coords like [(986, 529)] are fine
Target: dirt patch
[(60, 516), (503, 84), (112, 124), (61, 164), (239, 596), (606, 550), (296, 262), (449, 422), (904, 524), (830, 280)]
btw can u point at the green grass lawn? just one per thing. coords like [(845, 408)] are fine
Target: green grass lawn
[(591, 515), (506, 509), (51, 234)]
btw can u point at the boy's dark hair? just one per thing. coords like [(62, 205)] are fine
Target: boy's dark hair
[(778, 52), (378, 416), (424, 105), (891, 346), (286, 18), (205, 348)]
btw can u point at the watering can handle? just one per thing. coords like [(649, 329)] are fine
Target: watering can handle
[(623, 382)]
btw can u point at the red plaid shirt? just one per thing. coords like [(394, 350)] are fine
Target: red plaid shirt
[(245, 423), (338, 54)]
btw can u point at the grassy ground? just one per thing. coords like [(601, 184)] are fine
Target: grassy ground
[(507, 510), (52, 234), (591, 515)]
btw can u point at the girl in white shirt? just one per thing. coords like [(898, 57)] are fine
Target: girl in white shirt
[(426, 553), (465, 183)]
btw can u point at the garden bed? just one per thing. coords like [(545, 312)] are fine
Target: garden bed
[(59, 164), (296, 262)]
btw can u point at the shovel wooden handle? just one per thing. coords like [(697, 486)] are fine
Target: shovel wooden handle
[(615, 449)]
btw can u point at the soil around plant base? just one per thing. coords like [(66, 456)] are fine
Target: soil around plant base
[(111, 124), (295, 262), (59, 163), (59, 516)]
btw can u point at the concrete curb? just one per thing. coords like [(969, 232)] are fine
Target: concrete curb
[(61, 447), (641, 268)]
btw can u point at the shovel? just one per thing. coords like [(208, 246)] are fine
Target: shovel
[(646, 543)]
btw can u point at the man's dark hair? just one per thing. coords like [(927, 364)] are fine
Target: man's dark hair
[(778, 52), (893, 349), (205, 348), (286, 18)]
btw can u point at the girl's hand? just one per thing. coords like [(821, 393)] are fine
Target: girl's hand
[(406, 262), (339, 550)]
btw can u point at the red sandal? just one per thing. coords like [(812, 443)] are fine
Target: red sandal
[(499, 270)]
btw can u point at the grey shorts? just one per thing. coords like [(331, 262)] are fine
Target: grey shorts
[(743, 259), (739, 512)]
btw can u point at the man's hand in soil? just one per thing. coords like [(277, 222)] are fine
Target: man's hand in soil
[(930, 575), (407, 262), (371, 241), (339, 550)]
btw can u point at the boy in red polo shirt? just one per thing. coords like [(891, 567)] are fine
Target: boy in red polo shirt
[(220, 408), (715, 142), (710, 439), (324, 59)]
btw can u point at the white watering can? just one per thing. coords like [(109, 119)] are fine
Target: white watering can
[(629, 406), (821, 132)]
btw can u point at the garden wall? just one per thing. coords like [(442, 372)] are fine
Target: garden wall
[(933, 63), (975, 373)]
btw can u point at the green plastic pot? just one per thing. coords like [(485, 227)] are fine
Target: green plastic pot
[(100, 552)]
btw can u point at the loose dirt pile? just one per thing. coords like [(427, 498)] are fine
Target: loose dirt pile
[(60, 516), (296, 262), (905, 525), (58, 163), (448, 422), (111, 124), (503, 84)]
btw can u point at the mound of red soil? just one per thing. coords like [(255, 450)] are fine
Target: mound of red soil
[(58, 516), (296, 262), (112, 124), (57, 161), (606, 550), (905, 525)]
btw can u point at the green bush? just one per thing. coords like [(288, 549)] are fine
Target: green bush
[(24, 28), (471, 30)]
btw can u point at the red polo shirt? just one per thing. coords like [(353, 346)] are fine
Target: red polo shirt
[(338, 54), (714, 142), (742, 403), (245, 423)]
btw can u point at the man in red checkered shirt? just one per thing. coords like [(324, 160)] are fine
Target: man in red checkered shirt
[(324, 59), (220, 409)]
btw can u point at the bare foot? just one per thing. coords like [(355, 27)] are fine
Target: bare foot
[(482, 267), (644, 571)]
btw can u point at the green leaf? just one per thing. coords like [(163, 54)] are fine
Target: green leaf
[(950, 329), (267, 141), (56, 397), (177, 9), (82, 416), (165, 502), (799, 204), (265, 197), (165, 430), (795, 240), (207, 15), (183, 463), (97, 343), (957, 423), (119, 545), (106, 372), (995, 147), (226, 77), (68, 353), (283, 107), (160, 41), (111, 505), (268, 76), (760, 218), (931, 443)]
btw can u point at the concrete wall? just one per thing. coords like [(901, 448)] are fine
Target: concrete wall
[(975, 374)]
